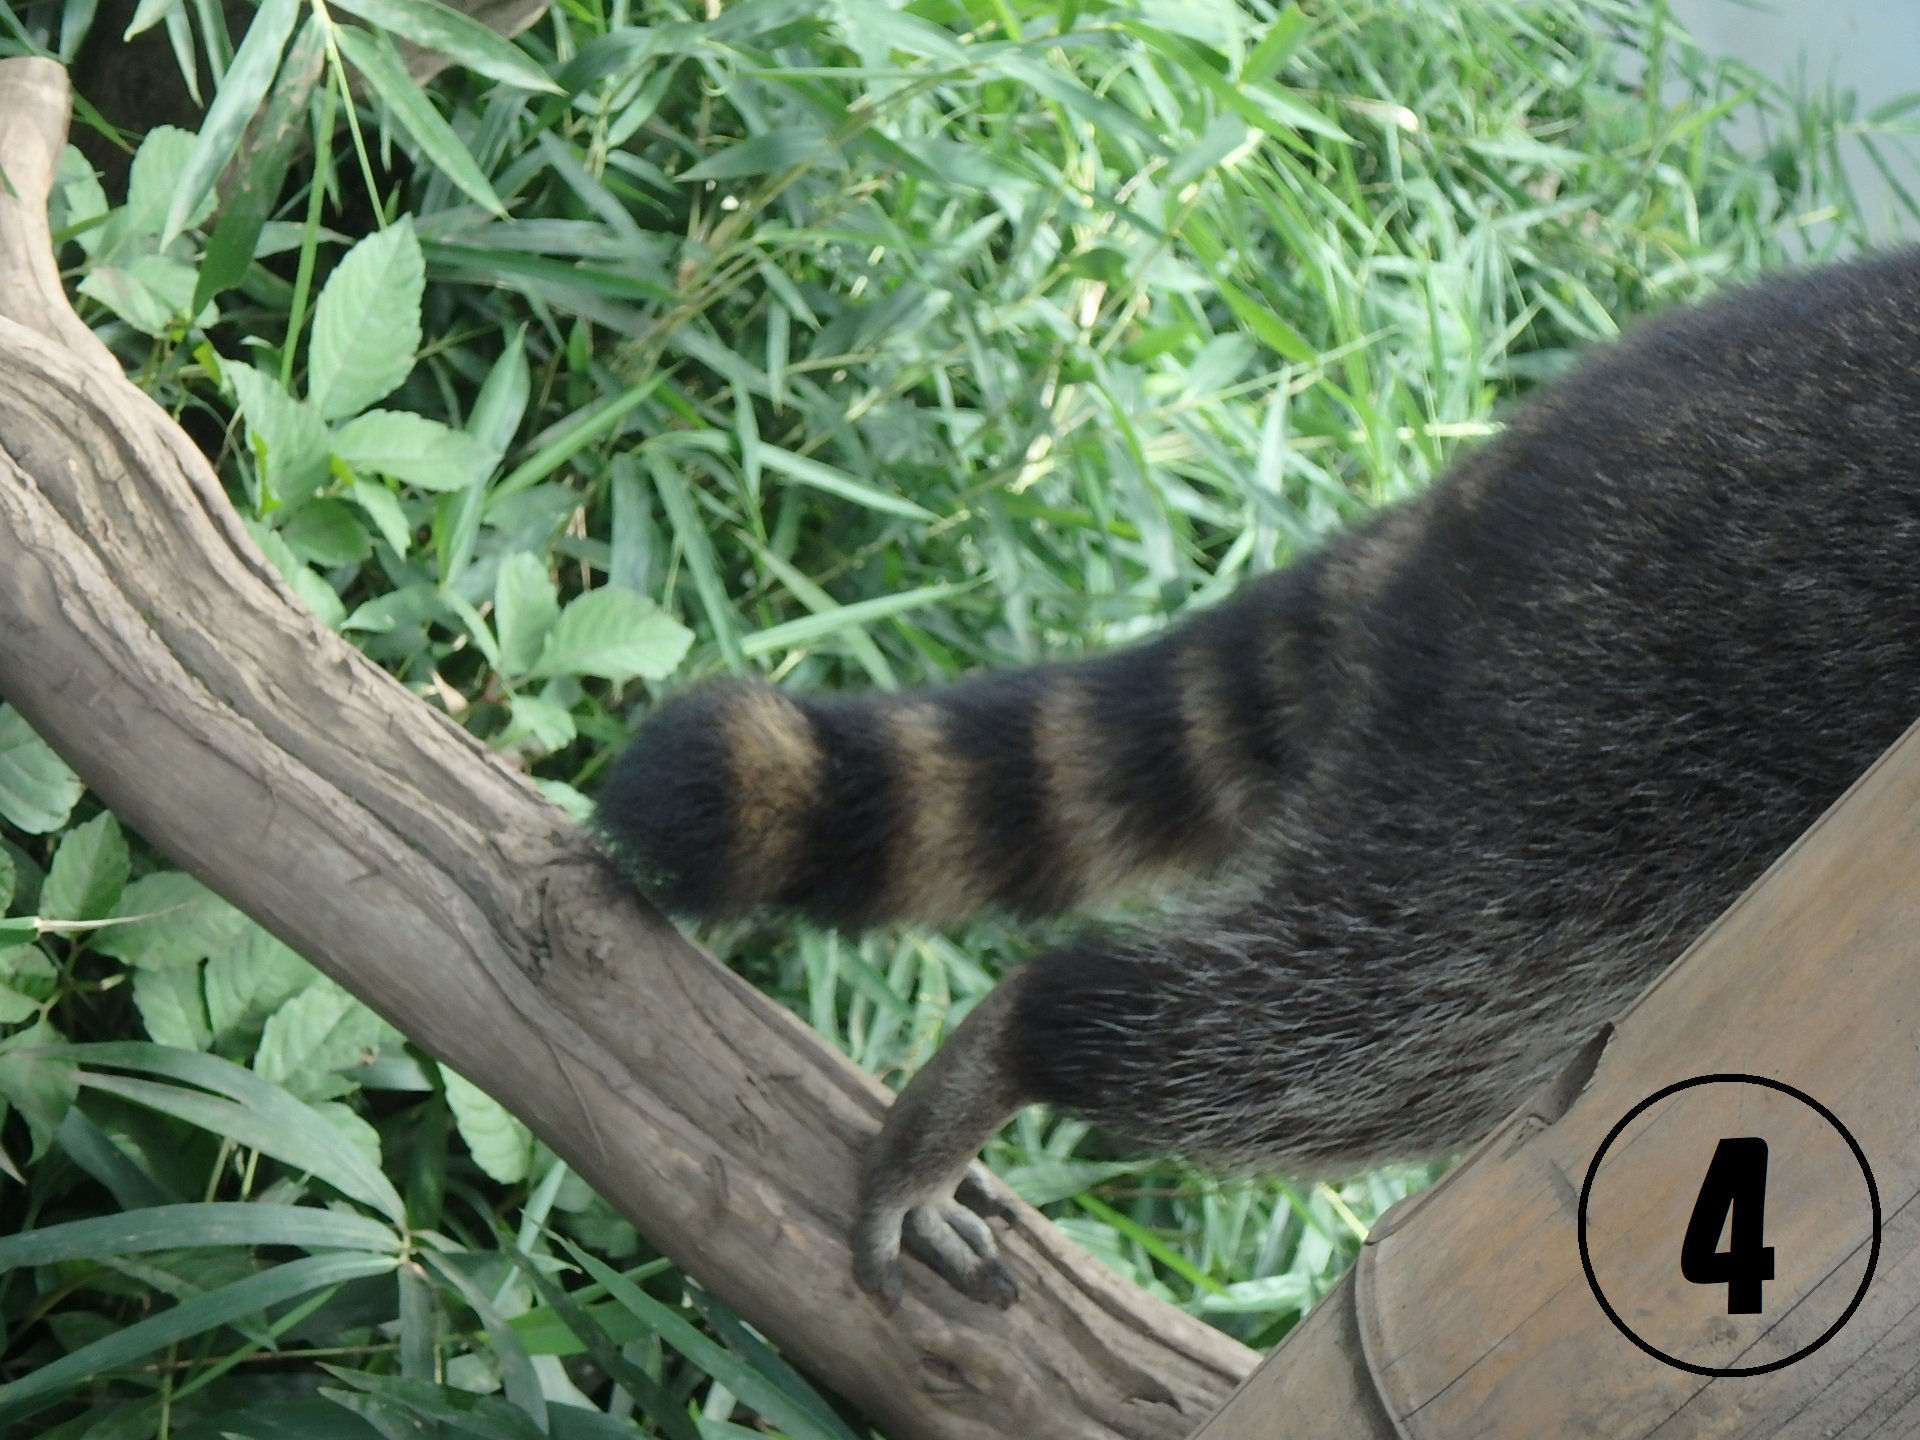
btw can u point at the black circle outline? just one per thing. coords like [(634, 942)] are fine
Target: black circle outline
[(1873, 1197)]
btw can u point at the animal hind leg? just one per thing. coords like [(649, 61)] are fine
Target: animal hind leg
[(915, 1188), (1041, 1028)]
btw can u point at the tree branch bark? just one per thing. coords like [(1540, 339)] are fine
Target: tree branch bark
[(161, 655)]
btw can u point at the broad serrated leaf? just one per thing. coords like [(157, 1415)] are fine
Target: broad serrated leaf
[(179, 922), (171, 1007), (40, 1086), (382, 507), (150, 292), (153, 181), (525, 605), (6, 881), (614, 635), (501, 1145), (287, 436), (28, 971), (546, 722), (250, 980), (366, 324), (88, 873), (412, 448), (79, 201), (315, 1035), (327, 532), (37, 789), (417, 604), (566, 797), (14, 1006), (348, 1124)]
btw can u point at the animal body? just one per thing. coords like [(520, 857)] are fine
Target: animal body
[(1473, 772)]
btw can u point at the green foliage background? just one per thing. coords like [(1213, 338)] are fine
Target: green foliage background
[(853, 343)]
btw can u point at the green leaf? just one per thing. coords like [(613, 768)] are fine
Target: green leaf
[(203, 1314), (245, 210), (421, 603), (287, 436), (402, 1408), (79, 201), (579, 430), (460, 38), (1281, 336), (373, 57), (412, 448), (837, 482), (251, 979), (766, 1397), (314, 592), (16, 1007), (37, 790), (6, 881), (566, 797), (350, 1127), (184, 1227), (501, 1145), (171, 1007), (242, 89), (763, 154), (810, 629), (382, 507), (366, 324), (243, 1107), (525, 605), (176, 922), (546, 722), (88, 873), (614, 635), (153, 181), (315, 1035), (494, 421), (29, 971), (327, 532), (37, 1083), (151, 293)]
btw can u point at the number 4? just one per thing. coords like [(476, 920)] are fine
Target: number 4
[(1736, 1186)]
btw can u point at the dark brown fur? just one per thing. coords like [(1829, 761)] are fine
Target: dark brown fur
[(1483, 765)]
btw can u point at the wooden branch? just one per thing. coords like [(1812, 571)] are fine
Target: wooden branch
[(1470, 1312), (156, 649)]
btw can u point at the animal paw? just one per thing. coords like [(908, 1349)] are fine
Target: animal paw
[(948, 1234)]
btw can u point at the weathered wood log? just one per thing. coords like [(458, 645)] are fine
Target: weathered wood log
[(1471, 1311), (149, 641)]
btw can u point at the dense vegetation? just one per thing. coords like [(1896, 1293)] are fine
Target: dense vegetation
[(850, 343)]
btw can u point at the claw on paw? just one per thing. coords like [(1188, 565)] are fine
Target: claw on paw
[(947, 1236)]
